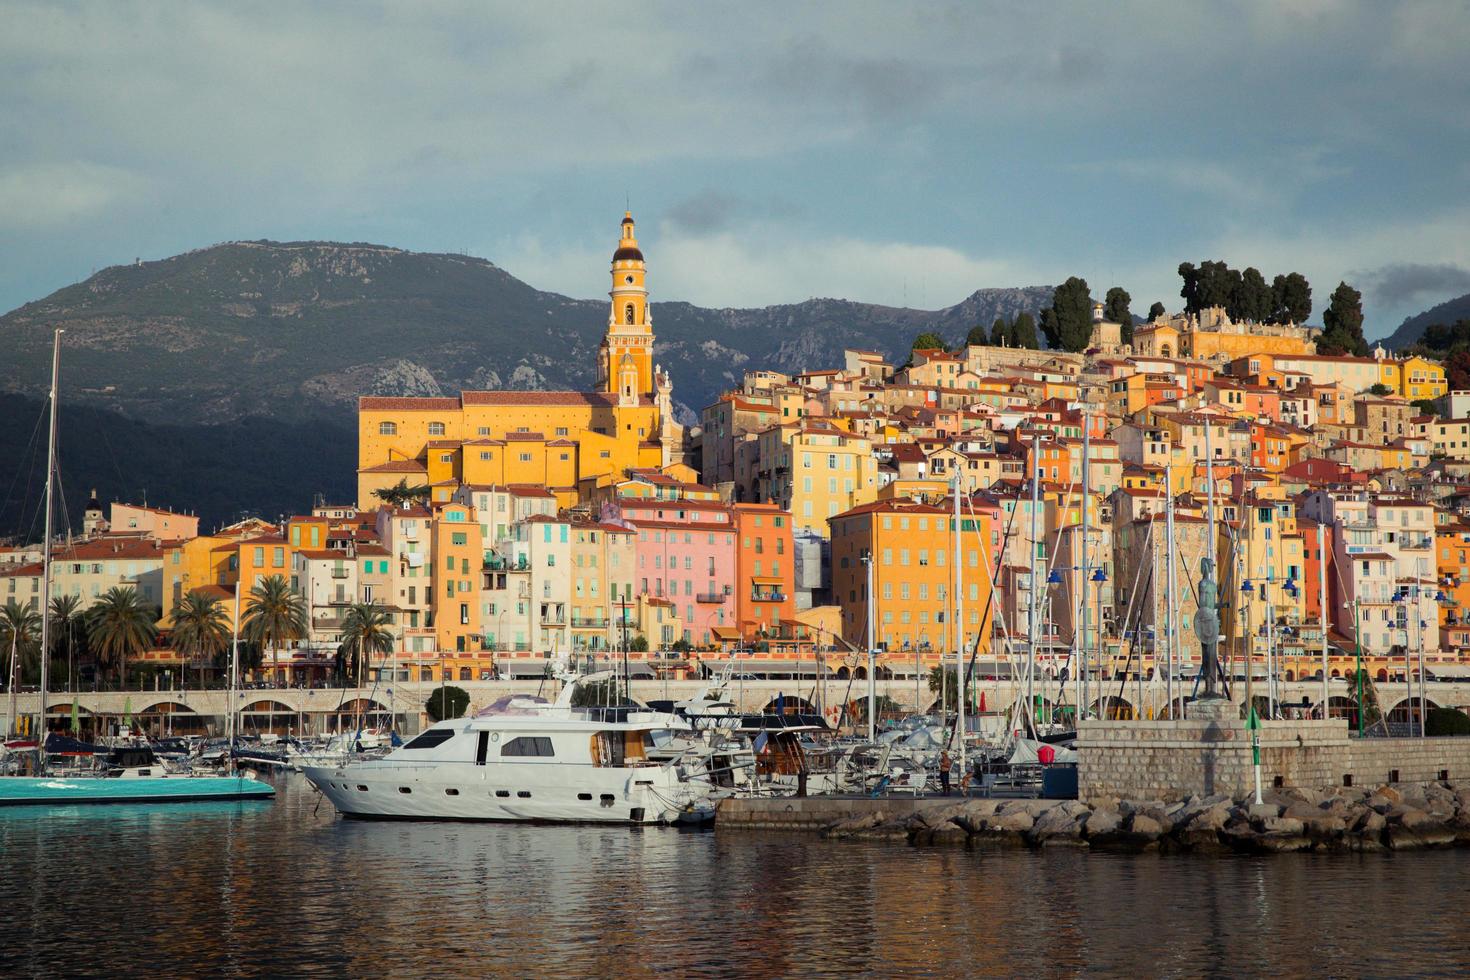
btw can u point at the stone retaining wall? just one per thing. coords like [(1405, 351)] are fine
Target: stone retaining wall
[(1169, 760), (813, 813)]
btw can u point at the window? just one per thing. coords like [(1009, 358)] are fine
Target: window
[(527, 745), (387, 428), (628, 314), (436, 428), (431, 738)]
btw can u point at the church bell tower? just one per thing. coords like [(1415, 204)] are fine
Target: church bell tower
[(625, 367)]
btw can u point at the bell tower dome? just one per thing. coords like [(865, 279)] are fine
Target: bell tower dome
[(629, 336)]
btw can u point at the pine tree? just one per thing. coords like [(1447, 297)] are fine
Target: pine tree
[(1342, 323), (1071, 309), (1001, 334), (1023, 333)]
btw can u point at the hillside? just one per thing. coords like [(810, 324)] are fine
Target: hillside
[(296, 331), (263, 466), (1412, 329)]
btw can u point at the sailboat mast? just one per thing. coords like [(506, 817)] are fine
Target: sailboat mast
[(1037, 583), (1086, 530), (234, 669), (1171, 583), (959, 621), (46, 544)]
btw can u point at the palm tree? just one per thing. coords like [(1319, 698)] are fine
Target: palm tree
[(119, 626), (277, 615), (68, 631), (201, 628), (20, 626), (366, 630), (401, 494)]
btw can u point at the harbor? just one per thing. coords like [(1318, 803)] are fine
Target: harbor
[(304, 887)]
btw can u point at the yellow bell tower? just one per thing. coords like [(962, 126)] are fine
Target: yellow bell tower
[(627, 350)]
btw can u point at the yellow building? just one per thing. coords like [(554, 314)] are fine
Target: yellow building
[(815, 470), (556, 439)]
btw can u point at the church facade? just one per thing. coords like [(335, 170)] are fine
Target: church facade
[(566, 441)]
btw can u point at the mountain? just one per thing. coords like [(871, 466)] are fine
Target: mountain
[(295, 331), (1412, 329), (268, 467)]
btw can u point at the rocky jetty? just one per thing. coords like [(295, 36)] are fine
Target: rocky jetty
[(1391, 817)]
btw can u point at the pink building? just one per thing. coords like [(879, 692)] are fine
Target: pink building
[(686, 554)]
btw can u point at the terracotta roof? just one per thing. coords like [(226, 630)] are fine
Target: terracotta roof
[(602, 399), (372, 403)]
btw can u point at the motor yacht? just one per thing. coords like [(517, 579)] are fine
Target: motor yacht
[(526, 759)]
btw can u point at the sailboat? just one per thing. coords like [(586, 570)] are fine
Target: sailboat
[(131, 774)]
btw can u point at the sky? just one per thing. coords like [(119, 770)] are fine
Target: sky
[(905, 154)]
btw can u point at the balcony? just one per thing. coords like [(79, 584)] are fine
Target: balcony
[(339, 573), (554, 615), (714, 598), (589, 622), (768, 597), (1417, 543)]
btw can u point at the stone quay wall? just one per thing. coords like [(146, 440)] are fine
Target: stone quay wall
[(1171, 760), (814, 813)]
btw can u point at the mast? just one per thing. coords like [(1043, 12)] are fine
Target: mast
[(1086, 529), (46, 546), (959, 622), (1037, 583), (234, 667), (1322, 606), (1171, 583)]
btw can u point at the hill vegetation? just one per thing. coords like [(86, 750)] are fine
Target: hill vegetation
[(298, 330)]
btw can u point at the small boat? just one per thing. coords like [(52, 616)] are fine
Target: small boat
[(130, 775)]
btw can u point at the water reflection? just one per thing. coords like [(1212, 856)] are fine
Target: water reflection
[(251, 888)]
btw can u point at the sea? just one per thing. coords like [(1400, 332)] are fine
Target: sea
[(289, 888)]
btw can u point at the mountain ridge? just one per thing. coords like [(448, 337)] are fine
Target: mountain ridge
[(297, 330), (1412, 329)]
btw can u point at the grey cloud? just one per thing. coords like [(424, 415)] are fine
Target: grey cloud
[(1392, 285), (710, 211)]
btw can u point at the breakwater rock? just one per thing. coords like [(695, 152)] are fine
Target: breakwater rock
[(1393, 817)]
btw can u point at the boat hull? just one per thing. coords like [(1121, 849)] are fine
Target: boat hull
[(64, 791), (506, 793)]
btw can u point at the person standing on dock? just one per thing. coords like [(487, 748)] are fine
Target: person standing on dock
[(945, 764)]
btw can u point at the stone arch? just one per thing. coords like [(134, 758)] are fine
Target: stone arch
[(171, 716), (372, 713), (1113, 708), (268, 717), (792, 705)]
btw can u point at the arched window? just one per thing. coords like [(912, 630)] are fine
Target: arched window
[(387, 428), (628, 314)]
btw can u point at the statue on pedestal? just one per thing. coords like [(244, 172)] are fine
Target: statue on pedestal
[(1207, 626)]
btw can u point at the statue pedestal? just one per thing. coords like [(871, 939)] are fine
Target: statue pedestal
[(1212, 709)]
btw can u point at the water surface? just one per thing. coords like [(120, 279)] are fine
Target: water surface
[(289, 888)]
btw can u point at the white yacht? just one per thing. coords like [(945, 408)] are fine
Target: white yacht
[(525, 759)]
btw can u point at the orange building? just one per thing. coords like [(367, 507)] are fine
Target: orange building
[(912, 550), (458, 560), (765, 570)]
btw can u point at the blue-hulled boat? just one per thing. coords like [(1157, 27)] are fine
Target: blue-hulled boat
[(135, 776)]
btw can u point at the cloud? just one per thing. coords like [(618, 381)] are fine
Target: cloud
[(724, 270), (41, 196), (707, 211), (1404, 282)]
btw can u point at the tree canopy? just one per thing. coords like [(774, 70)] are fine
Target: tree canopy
[(1342, 323), (929, 340), (978, 336), (447, 702), (1067, 323), (1115, 310), (1244, 295), (1156, 311), (1291, 297), (1022, 333)]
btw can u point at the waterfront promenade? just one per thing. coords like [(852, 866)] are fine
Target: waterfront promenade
[(314, 709)]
